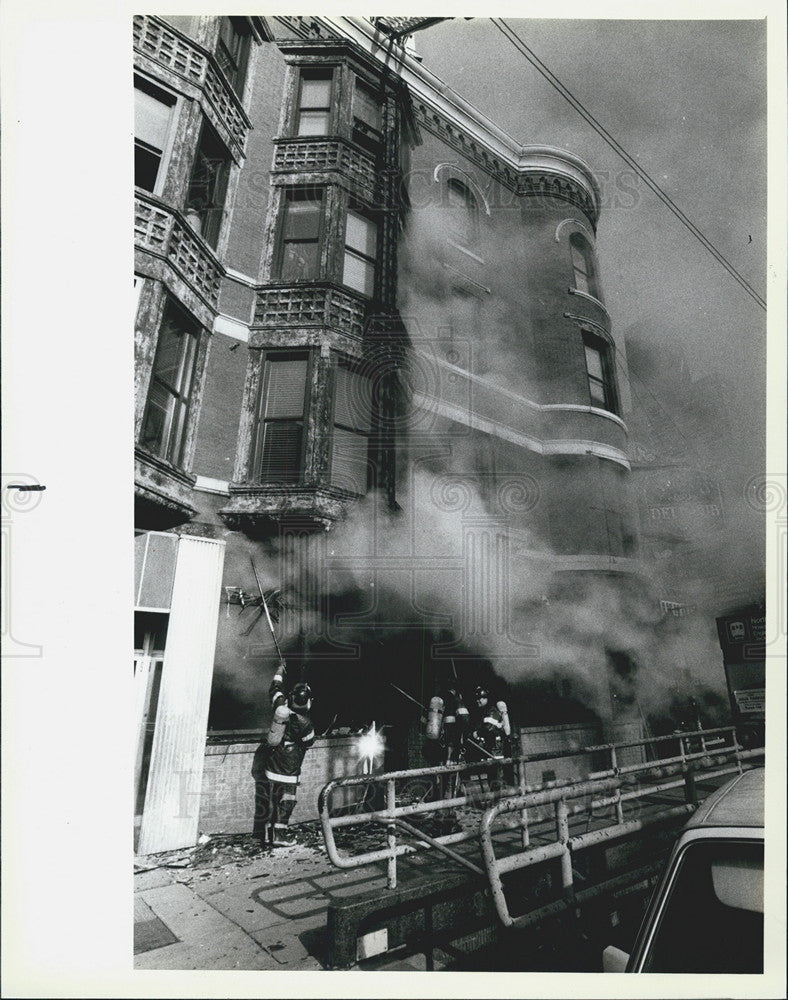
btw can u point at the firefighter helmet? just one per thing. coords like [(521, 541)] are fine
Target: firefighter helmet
[(481, 692), (300, 696)]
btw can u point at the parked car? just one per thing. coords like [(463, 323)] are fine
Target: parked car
[(706, 914)]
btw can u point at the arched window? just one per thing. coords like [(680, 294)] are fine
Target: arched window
[(463, 213), (584, 266)]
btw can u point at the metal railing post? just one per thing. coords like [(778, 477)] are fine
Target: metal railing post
[(391, 834), (562, 836), (524, 833), (614, 768)]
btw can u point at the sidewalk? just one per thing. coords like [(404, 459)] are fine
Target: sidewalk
[(262, 911)]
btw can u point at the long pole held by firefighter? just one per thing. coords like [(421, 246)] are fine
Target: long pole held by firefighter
[(265, 608), (415, 702)]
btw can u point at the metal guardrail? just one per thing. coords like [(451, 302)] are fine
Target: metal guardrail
[(599, 790), (610, 790)]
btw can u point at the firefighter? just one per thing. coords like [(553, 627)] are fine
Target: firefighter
[(490, 732), (278, 760)]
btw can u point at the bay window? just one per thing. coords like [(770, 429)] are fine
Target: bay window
[(232, 51), (585, 277), (366, 115)]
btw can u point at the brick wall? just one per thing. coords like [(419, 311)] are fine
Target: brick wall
[(227, 798), (220, 413), (554, 739)]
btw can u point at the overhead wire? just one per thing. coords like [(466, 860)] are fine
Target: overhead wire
[(508, 32)]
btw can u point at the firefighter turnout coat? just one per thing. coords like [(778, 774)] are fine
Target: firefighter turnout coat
[(283, 761), (487, 730)]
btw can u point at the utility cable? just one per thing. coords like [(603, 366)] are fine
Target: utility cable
[(509, 33)]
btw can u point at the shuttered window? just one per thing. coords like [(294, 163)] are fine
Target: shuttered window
[(352, 425), (279, 451)]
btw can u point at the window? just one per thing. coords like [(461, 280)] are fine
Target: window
[(463, 213), (208, 187), (313, 115), (366, 115), (584, 266), (361, 243), (299, 239), (352, 425), (601, 384), (712, 920), (279, 446), (164, 423), (232, 51), (152, 114)]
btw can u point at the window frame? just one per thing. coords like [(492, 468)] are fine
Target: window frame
[(239, 61), (589, 277), (212, 213), (339, 360), (262, 422), (470, 207), (171, 447), (316, 72), (147, 86), (367, 217), (364, 134), (292, 194), (604, 349)]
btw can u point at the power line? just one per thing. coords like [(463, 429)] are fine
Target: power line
[(551, 78)]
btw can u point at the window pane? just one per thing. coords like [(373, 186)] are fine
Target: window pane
[(286, 387), (597, 391), (594, 362), (352, 400), (158, 418), (151, 118), (302, 219), (299, 260), (349, 461), (366, 106), (146, 167), (281, 452), (358, 274), (169, 355), (361, 234), (313, 123), (315, 92)]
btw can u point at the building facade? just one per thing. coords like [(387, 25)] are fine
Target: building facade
[(377, 381)]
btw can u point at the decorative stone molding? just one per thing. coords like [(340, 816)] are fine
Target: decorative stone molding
[(317, 155), (575, 225), (314, 304), (179, 54), (262, 508), (163, 232), (157, 482)]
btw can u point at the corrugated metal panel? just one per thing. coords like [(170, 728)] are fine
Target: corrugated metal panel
[(172, 801)]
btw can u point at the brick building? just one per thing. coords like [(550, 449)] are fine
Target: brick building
[(376, 377)]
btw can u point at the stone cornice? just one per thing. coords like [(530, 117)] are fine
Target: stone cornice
[(444, 112)]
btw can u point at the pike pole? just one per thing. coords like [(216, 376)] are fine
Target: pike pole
[(265, 608)]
